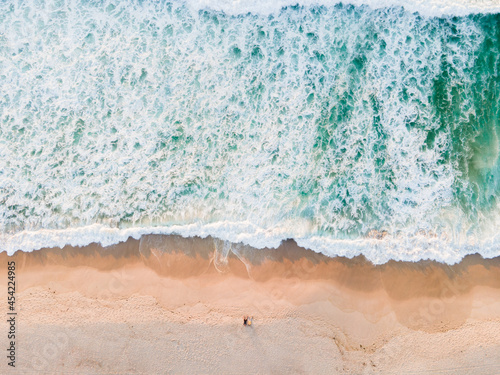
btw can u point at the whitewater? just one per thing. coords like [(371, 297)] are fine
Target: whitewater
[(358, 128)]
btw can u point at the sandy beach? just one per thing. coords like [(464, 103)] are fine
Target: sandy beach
[(146, 146), (165, 304)]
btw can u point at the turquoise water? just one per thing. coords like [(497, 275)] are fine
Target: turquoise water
[(331, 125)]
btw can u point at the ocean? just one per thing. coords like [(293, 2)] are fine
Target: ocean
[(362, 128)]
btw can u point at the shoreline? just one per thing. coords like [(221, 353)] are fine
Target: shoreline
[(316, 314), (376, 246)]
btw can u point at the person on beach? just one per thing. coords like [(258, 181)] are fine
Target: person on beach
[(245, 320)]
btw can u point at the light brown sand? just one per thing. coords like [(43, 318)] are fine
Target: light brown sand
[(160, 305)]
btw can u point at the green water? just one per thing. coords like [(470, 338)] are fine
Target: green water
[(321, 123)]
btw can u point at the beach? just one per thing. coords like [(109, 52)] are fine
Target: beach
[(329, 169), (132, 308)]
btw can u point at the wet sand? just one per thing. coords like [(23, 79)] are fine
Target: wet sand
[(165, 304)]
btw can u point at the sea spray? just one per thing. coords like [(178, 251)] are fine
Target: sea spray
[(325, 124)]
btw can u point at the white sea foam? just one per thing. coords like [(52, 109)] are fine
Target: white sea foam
[(379, 251), (431, 8), (142, 115), (243, 232)]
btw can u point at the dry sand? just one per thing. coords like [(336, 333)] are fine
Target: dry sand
[(170, 305)]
